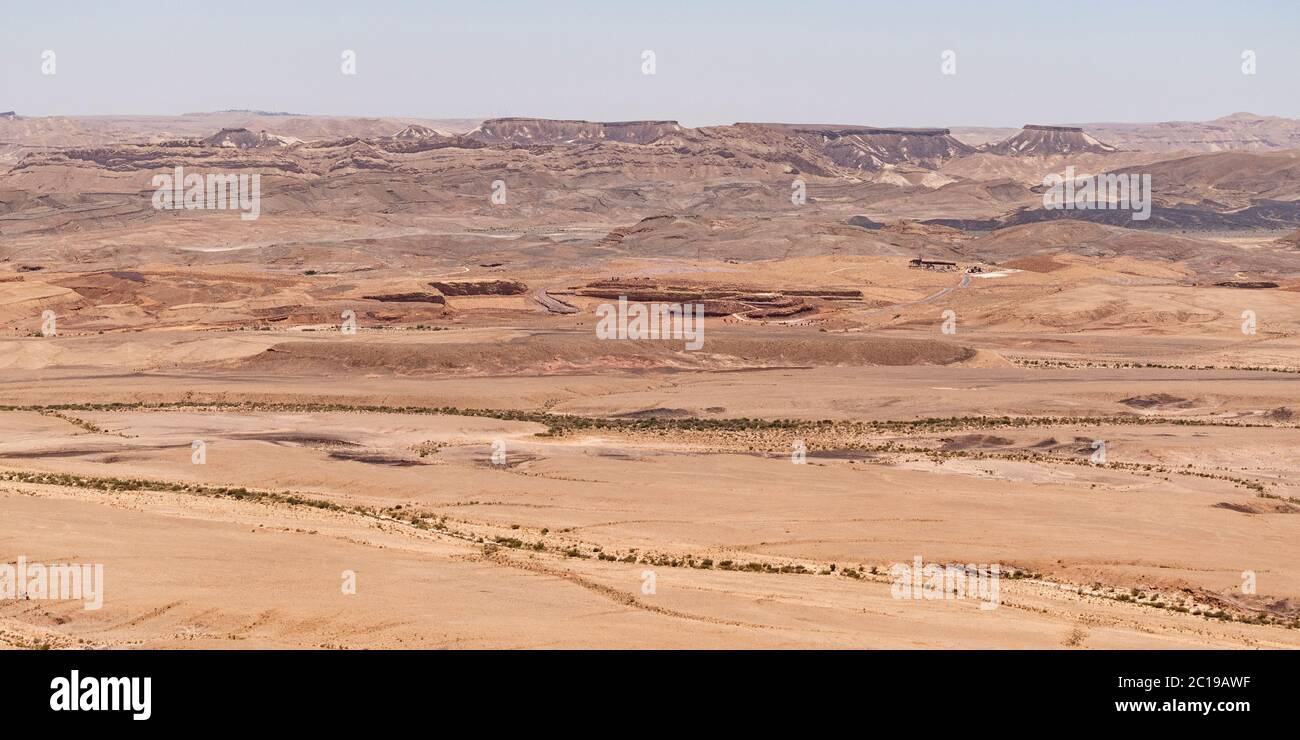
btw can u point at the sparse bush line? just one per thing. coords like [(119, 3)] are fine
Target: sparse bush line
[(1026, 456), (443, 525), (559, 424), (1121, 365), (562, 423)]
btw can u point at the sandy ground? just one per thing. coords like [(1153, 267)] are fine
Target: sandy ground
[(495, 475), (208, 570)]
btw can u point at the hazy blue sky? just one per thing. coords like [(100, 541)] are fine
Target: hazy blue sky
[(717, 62)]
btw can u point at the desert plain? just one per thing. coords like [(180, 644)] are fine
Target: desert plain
[(379, 415)]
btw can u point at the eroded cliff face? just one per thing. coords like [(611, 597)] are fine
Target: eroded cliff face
[(1036, 140), (540, 131), (869, 148)]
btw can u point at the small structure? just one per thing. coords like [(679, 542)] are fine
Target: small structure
[(925, 264)]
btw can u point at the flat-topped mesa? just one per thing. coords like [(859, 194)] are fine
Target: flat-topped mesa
[(534, 131), (1038, 140), (873, 148), (1037, 127), (901, 131), (851, 129)]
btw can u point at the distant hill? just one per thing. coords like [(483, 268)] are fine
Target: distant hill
[(870, 148), (1036, 140), (242, 138), (1235, 132), (531, 131)]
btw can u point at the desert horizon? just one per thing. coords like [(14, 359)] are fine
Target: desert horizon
[(965, 337), (418, 363)]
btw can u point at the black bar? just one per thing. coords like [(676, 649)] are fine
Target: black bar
[(330, 689)]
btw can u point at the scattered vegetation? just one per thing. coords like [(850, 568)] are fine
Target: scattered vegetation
[(1076, 364), (557, 424)]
